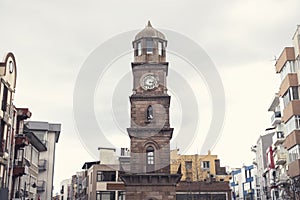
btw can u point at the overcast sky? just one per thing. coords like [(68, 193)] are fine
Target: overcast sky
[(52, 39)]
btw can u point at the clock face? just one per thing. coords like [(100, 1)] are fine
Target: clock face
[(11, 66), (149, 82)]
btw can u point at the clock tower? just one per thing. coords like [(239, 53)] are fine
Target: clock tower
[(150, 133)]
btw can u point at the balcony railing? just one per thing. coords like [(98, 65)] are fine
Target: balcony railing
[(276, 118), (21, 141), (42, 165), (278, 138), (282, 179), (19, 168), (41, 186), (8, 111), (280, 158)]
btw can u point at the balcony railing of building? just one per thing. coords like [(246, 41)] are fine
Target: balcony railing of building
[(278, 138), (280, 158), (19, 168), (276, 118), (41, 186), (21, 140), (282, 179), (8, 112), (42, 165)]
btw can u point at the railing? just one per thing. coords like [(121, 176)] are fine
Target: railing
[(280, 158), (21, 140), (278, 137), (276, 117), (42, 165), (41, 186), (8, 111)]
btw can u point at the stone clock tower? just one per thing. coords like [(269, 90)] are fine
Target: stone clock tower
[(150, 133)]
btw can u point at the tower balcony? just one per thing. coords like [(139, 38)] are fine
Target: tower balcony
[(276, 118), (21, 141)]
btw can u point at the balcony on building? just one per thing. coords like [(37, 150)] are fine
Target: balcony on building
[(282, 179), (294, 168), (278, 138), (293, 108), (254, 161), (21, 140), (19, 168), (41, 186), (280, 158), (288, 54), (42, 165), (276, 118), (40, 145)]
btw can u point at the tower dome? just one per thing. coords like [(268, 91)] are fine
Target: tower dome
[(149, 46), (150, 32)]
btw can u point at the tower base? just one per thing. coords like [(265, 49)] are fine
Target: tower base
[(150, 186)]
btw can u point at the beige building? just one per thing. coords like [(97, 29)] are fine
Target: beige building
[(48, 134), (284, 176), (8, 77), (198, 167)]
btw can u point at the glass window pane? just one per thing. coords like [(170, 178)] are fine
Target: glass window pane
[(149, 46), (139, 48), (160, 48)]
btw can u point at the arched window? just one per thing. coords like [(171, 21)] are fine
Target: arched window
[(149, 113), (150, 155)]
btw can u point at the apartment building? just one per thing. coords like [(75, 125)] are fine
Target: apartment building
[(26, 159), (7, 126), (287, 110), (261, 163), (65, 191), (202, 176), (198, 167), (48, 134), (243, 183)]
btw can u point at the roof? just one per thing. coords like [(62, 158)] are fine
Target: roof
[(44, 126), (87, 165), (151, 32)]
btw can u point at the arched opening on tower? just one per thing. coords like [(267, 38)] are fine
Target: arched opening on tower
[(150, 158)]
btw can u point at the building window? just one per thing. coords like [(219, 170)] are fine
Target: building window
[(294, 153), (150, 155), (205, 165), (138, 49), (289, 67), (291, 94), (99, 176), (292, 124), (35, 157), (149, 46), (105, 195), (106, 176), (121, 195), (188, 165), (160, 48), (4, 98)]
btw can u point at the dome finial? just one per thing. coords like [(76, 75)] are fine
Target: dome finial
[(149, 24)]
